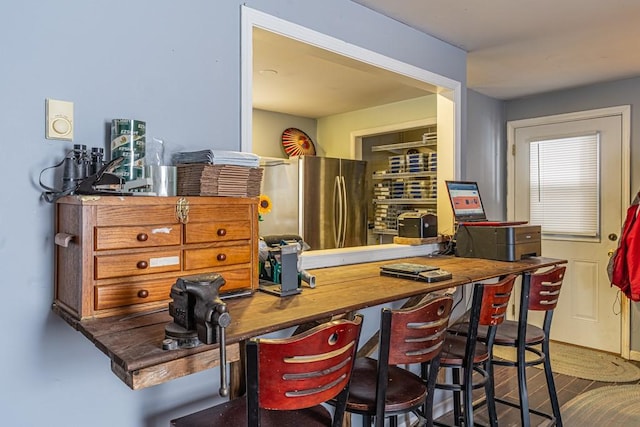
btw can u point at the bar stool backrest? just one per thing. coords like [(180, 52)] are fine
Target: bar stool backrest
[(410, 336), (495, 300), (544, 289), (416, 334), (304, 370)]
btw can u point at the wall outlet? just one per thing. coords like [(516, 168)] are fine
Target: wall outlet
[(59, 119)]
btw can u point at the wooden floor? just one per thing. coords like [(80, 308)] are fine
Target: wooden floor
[(507, 386)]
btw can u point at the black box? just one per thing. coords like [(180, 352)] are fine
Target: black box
[(416, 224), (503, 243)]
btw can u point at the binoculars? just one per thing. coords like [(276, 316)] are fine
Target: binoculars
[(78, 164)]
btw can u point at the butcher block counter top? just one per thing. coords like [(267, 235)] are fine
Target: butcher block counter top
[(134, 342)]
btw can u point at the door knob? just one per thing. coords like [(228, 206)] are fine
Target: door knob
[(610, 253)]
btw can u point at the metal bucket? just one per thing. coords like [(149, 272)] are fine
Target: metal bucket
[(163, 179)]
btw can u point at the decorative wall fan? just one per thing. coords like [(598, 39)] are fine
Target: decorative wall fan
[(297, 143)]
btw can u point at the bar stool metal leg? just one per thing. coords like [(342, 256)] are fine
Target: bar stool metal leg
[(490, 399), (521, 354), (551, 385)]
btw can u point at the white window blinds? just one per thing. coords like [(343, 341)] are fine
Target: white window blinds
[(564, 185)]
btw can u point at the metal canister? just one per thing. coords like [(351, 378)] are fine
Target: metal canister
[(128, 141)]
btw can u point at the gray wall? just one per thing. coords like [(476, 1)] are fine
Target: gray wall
[(175, 65), (621, 92), (485, 151)]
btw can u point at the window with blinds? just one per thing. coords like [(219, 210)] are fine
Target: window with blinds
[(564, 186)]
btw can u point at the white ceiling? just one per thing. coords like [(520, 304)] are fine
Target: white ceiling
[(518, 48), (515, 49), (299, 79)]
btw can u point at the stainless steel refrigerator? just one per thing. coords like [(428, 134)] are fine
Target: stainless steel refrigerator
[(321, 199)]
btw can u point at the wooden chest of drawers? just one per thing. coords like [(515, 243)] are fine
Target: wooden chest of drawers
[(120, 255)]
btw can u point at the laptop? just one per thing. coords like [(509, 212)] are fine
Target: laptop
[(467, 205), (407, 270)]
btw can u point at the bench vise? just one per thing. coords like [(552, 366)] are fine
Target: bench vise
[(199, 317)]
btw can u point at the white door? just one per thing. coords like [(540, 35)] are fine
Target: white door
[(589, 309)]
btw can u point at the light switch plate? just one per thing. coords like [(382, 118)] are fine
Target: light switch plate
[(59, 119)]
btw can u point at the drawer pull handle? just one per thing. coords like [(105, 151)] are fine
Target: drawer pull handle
[(63, 239), (221, 257), (222, 232), (142, 237), (142, 265), (143, 293), (182, 210)]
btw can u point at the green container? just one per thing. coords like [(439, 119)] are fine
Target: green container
[(128, 140)]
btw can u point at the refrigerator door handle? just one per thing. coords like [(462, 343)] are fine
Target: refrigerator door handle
[(345, 211), (341, 219), (337, 211)]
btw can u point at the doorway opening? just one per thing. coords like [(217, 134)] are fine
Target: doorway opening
[(448, 92)]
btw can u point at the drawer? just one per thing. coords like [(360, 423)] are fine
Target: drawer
[(238, 278), (136, 215), (217, 231), (137, 236), (215, 257), (136, 264), (221, 212), (122, 295)]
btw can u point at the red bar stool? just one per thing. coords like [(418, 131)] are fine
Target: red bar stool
[(540, 292), (465, 355), (288, 379), (380, 388)]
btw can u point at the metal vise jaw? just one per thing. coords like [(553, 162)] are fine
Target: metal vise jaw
[(199, 317)]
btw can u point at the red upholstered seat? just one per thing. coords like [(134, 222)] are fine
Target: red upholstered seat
[(234, 413), (288, 379)]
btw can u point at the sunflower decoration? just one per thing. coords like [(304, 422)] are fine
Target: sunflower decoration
[(264, 206)]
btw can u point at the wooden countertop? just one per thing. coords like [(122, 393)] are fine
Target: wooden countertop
[(134, 343)]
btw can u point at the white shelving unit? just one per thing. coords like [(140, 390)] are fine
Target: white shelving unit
[(408, 182), (421, 174), (400, 146)]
